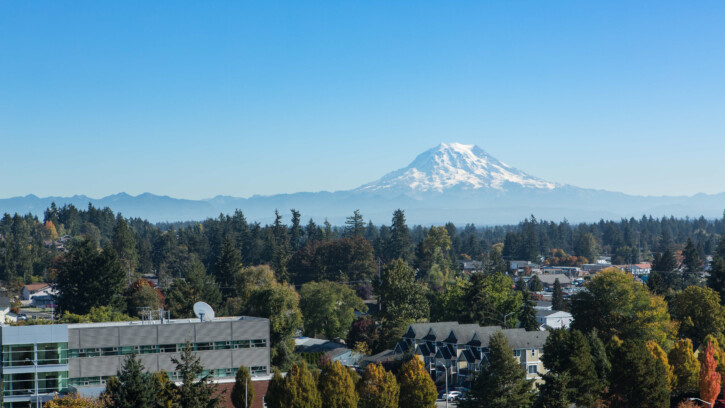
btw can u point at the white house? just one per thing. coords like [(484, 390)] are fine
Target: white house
[(554, 319), (39, 294), (4, 308)]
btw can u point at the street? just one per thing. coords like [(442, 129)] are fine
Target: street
[(442, 404)]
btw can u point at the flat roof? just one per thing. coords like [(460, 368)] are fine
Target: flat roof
[(142, 322)]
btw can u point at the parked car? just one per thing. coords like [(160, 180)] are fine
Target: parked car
[(451, 395)]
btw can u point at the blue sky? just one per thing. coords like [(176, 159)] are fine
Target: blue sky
[(195, 99)]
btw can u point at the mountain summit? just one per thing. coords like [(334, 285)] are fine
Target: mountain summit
[(454, 166), (451, 182)]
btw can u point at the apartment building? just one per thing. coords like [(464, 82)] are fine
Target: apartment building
[(41, 361), (458, 350)]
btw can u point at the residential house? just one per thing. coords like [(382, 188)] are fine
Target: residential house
[(458, 350), (37, 289), (553, 319), (4, 308), (543, 305), (469, 267)]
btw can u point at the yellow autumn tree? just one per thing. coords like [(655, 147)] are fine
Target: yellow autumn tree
[(661, 356), (378, 388), (52, 232), (73, 401), (685, 367)]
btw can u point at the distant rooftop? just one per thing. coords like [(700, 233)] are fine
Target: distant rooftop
[(149, 322)]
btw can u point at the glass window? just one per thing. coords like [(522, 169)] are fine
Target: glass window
[(237, 344), (18, 355), (167, 348), (148, 349), (517, 353), (203, 346), (259, 343), (222, 345), (533, 369), (109, 351), (533, 352), (126, 350)]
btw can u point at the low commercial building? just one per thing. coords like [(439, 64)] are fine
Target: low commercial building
[(40, 361)]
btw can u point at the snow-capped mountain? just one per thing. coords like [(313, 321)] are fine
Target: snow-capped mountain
[(454, 166), (451, 182)]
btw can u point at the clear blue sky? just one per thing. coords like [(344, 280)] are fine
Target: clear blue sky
[(198, 98)]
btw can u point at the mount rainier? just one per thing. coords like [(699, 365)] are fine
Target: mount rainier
[(451, 182)]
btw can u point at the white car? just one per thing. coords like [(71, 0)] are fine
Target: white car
[(451, 395)]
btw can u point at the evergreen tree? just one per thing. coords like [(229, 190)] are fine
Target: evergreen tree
[(417, 389), (194, 392), (295, 232), (227, 265), (602, 365), (398, 245), (133, 386), (86, 278), (124, 244), (502, 382), (638, 379), (568, 353), (692, 263), (164, 390), (535, 284), (664, 276), (378, 388), (354, 225), (337, 388), (275, 396), (554, 392), (243, 391), (300, 390), (717, 274), (557, 298), (527, 316)]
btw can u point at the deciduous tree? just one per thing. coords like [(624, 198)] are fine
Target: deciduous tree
[(685, 367), (242, 391), (378, 388), (709, 377), (329, 308), (417, 389), (337, 388)]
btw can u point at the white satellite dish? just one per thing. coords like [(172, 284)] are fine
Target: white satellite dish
[(203, 311)]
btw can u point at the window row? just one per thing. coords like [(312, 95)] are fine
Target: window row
[(15, 355), (165, 348), (20, 384)]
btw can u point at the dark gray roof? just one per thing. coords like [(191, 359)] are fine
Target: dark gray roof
[(324, 347), (522, 339), (468, 356), (420, 330)]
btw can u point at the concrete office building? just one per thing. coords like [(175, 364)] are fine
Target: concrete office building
[(40, 361)]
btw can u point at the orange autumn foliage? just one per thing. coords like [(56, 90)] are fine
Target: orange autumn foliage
[(709, 377)]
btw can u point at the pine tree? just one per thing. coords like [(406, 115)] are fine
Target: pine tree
[(378, 388), (243, 391), (417, 389), (685, 367), (692, 263), (194, 392), (164, 390), (557, 298), (354, 225), (337, 388), (133, 386), (717, 274), (554, 392), (535, 284), (502, 382), (398, 245), (599, 357), (527, 317), (275, 395), (227, 265), (295, 232), (582, 372), (300, 390)]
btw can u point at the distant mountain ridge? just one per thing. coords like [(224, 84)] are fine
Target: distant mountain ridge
[(451, 182)]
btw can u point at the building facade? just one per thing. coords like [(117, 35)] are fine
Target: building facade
[(40, 361), (458, 350)]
